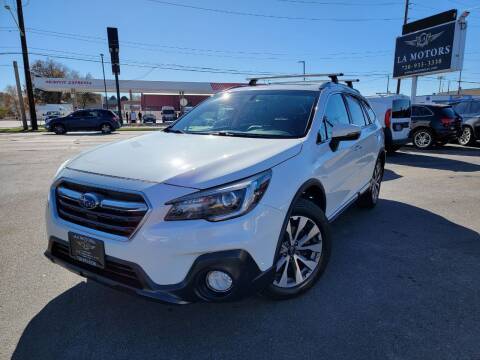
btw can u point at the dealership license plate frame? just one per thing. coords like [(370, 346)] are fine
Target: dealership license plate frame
[(87, 250)]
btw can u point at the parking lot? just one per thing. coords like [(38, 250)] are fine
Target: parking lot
[(403, 280)]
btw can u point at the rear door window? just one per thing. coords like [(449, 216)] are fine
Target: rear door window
[(420, 111), (401, 109), (356, 111), (371, 114)]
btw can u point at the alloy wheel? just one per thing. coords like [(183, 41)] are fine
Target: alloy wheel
[(300, 252), (423, 139), (106, 128), (466, 136), (376, 181)]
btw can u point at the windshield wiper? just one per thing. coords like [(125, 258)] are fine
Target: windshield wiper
[(174, 131)]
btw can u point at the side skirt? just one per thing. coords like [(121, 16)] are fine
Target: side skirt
[(347, 204)]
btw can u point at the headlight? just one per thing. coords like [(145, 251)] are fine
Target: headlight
[(221, 203), (61, 167)]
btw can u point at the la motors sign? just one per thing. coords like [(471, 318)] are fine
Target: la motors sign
[(433, 50)]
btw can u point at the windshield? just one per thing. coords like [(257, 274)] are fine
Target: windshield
[(168, 112), (273, 114)]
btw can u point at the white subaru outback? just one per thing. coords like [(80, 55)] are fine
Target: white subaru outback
[(242, 206)]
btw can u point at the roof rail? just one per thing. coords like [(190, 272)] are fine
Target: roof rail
[(333, 77)]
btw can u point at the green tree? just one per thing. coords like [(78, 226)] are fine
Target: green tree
[(52, 69)]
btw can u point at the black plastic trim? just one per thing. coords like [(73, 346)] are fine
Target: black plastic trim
[(239, 264)]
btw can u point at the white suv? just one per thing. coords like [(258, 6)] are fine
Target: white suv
[(243, 205)]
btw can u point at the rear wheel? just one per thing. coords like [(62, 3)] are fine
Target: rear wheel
[(303, 254), (370, 198), (467, 137), (392, 148), (423, 139), (106, 128), (59, 129)]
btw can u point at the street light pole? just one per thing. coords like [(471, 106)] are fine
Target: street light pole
[(302, 62), (104, 82), (26, 66)]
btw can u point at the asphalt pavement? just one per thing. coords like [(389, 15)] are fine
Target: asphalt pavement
[(403, 280)]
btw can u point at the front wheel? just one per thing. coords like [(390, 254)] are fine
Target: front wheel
[(303, 254), (423, 139), (467, 137)]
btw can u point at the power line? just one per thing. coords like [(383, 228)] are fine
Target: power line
[(211, 53), (340, 3), (269, 16)]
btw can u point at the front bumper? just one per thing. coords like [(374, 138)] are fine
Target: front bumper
[(131, 278), (168, 252)]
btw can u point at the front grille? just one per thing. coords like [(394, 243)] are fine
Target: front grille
[(113, 270), (115, 212)]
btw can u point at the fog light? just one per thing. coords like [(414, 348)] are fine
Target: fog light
[(219, 281)]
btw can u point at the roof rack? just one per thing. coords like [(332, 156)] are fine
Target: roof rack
[(350, 82), (333, 77)]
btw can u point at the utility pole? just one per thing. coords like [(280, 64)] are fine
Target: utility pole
[(388, 83), (26, 66), (405, 19), (440, 78), (459, 83), (104, 82), (20, 97), (302, 62)]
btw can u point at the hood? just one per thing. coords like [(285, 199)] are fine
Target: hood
[(195, 161)]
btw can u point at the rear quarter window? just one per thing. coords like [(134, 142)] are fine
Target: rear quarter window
[(448, 112)]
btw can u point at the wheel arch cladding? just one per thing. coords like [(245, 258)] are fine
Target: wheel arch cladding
[(313, 191)]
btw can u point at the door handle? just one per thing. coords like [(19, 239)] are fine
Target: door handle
[(357, 147)]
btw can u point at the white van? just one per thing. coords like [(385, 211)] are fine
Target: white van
[(168, 114), (394, 113)]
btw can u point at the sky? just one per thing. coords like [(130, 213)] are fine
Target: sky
[(214, 40)]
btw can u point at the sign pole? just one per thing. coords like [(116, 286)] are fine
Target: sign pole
[(405, 19), (414, 89)]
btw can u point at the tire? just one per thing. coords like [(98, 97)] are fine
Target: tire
[(467, 137), (301, 258), (369, 198), (391, 149), (106, 128), (423, 139), (59, 129)]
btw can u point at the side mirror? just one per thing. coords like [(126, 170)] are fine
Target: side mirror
[(344, 132)]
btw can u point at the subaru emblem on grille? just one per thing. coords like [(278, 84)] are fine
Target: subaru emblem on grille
[(89, 201)]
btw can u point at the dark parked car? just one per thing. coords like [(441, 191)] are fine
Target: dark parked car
[(434, 125), (85, 120), (470, 112), (149, 118)]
